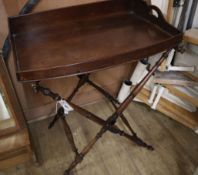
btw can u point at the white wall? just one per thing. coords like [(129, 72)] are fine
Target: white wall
[(4, 114), (162, 4)]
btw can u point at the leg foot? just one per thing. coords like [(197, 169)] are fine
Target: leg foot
[(140, 142), (66, 173), (151, 148), (69, 135)]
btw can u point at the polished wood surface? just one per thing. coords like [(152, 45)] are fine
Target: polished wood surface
[(170, 11), (189, 98), (108, 123), (15, 149), (36, 107), (176, 146), (188, 119), (14, 142), (11, 101), (85, 38), (191, 36)]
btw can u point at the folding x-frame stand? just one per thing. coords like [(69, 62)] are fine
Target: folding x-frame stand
[(107, 125)]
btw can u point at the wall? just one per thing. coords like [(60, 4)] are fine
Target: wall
[(162, 4), (35, 105)]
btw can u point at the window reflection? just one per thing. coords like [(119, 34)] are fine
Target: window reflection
[(4, 114), (6, 120)]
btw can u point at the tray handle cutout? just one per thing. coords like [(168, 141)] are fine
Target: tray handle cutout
[(160, 15)]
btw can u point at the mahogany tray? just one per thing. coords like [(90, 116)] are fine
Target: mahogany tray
[(86, 38)]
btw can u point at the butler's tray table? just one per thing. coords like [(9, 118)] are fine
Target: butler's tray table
[(78, 40)]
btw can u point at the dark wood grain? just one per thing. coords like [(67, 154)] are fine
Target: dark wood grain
[(86, 38), (11, 101)]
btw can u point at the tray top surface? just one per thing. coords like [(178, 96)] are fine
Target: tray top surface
[(85, 42), (64, 43)]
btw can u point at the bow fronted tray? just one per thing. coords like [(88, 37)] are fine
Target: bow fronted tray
[(85, 38)]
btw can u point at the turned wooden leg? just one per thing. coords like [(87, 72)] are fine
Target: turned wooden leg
[(67, 129), (69, 135), (114, 129), (81, 82), (60, 114), (113, 101), (55, 119), (89, 146), (125, 121), (110, 122), (102, 91), (112, 119)]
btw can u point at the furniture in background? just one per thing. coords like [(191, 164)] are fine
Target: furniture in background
[(191, 36), (83, 39), (15, 145), (176, 85)]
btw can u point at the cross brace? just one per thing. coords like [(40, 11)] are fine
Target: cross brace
[(107, 125)]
